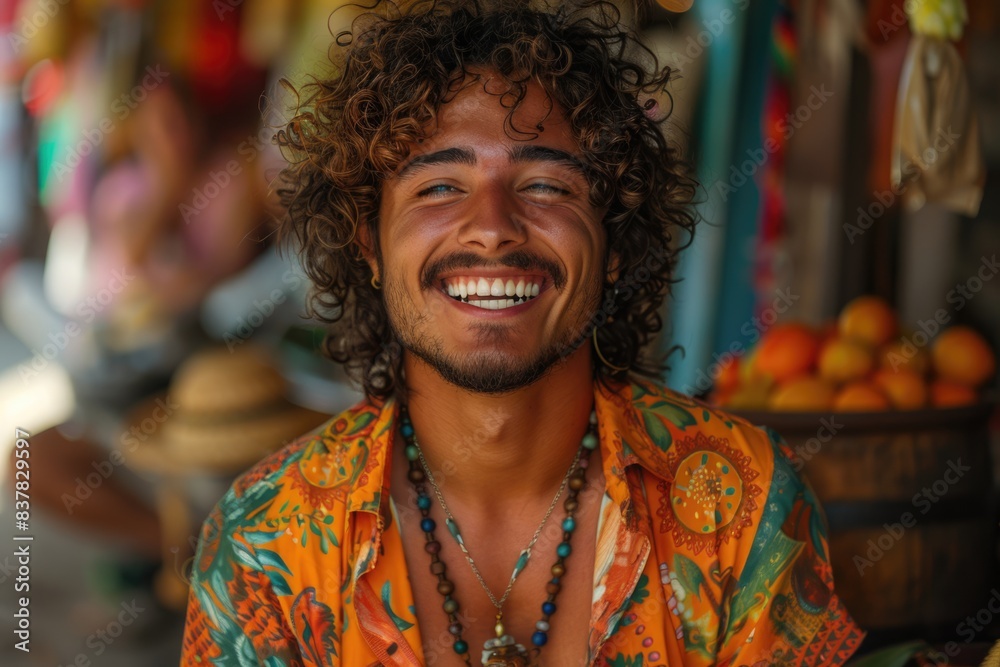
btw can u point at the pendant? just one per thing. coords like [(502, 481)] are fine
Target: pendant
[(504, 652)]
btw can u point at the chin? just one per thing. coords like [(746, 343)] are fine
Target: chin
[(490, 372)]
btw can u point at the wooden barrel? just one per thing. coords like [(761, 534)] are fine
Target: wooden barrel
[(911, 510)]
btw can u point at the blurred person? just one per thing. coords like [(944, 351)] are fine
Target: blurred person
[(487, 206), (134, 207)]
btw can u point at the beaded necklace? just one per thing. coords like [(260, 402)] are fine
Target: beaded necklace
[(502, 650)]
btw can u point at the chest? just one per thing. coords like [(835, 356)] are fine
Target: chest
[(494, 547)]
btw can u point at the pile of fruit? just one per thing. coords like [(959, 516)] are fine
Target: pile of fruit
[(860, 363)]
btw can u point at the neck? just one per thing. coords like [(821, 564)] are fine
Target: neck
[(517, 445)]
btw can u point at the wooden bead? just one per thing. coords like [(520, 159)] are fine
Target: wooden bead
[(558, 570), (437, 567), (445, 587), (432, 547), (416, 475), (552, 588), (571, 505)]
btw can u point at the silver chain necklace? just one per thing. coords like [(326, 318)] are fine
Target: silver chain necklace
[(525, 555)]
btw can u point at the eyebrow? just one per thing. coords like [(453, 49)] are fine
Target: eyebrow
[(529, 153), (446, 156)]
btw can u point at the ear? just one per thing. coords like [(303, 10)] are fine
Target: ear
[(367, 247), (614, 266)]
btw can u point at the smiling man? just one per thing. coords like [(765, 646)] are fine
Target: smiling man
[(476, 189)]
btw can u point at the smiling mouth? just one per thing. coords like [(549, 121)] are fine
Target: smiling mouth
[(493, 293)]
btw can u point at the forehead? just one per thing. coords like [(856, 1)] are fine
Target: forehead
[(479, 116)]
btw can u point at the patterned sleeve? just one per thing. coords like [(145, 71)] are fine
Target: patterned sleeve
[(234, 616), (783, 610)]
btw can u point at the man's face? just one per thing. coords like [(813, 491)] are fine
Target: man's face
[(492, 255)]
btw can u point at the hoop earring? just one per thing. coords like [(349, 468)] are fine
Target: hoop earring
[(601, 356), (375, 283)]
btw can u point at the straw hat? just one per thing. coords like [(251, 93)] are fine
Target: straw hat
[(224, 412)]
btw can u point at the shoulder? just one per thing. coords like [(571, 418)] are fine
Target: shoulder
[(670, 427), (312, 473)]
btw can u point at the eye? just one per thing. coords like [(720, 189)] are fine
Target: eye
[(437, 190), (547, 189)]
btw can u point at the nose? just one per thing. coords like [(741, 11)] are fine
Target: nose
[(495, 221)]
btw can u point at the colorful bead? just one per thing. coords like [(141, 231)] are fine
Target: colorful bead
[(450, 606), (427, 525), (424, 502), (568, 524), (563, 550), (460, 647), (407, 429), (539, 639), (432, 547), (590, 441), (542, 626), (548, 608), (455, 629), (412, 453), (593, 417)]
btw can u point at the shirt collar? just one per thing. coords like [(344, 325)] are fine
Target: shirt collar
[(352, 455)]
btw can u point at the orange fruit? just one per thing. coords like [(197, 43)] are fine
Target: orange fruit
[(748, 367), (905, 389), (945, 394), (902, 354), (787, 351), (869, 319), (861, 396), (727, 378), (802, 394), (962, 355), (751, 395), (844, 360)]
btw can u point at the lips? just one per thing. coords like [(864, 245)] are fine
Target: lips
[(493, 292)]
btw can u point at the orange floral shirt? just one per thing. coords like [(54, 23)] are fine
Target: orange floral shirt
[(710, 549)]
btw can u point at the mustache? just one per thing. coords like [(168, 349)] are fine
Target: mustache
[(518, 259)]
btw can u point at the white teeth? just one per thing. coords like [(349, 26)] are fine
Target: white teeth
[(468, 288)]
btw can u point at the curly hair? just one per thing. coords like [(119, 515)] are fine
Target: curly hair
[(395, 70)]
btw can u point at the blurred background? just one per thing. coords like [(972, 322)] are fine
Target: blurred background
[(153, 341)]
